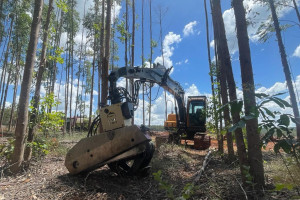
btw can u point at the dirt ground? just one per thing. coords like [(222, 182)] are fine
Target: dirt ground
[(49, 179)]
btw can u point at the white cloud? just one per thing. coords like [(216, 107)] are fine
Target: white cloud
[(116, 9), (178, 63), (7, 104), (278, 87), (297, 52), (181, 62), (189, 28), (212, 44), (168, 49)]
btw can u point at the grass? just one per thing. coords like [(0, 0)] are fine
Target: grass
[(283, 172), (60, 144)]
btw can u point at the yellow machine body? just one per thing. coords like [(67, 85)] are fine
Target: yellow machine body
[(112, 117), (171, 122)]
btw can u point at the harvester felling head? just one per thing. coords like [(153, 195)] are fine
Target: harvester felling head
[(115, 145)]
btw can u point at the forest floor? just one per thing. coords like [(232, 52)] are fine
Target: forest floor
[(47, 178)]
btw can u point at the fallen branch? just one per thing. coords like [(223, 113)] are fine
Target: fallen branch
[(242, 188), (205, 163)]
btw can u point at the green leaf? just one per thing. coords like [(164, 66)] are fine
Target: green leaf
[(268, 135), (278, 94), (284, 120), (279, 133), (275, 100), (261, 95), (269, 112), (240, 124), (236, 106), (276, 148), (284, 145), (285, 103)]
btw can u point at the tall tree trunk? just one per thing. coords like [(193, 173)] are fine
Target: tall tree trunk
[(72, 67), (286, 68), (226, 62), (37, 92), (6, 55), (13, 105), (79, 66), (254, 149), (104, 88), (297, 10), (214, 99), (211, 73), (132, 50), (59, 86), (151, 54), (162, 55), (217, 17), (102, 49), (22, 121), (1, 25), (92, 86), (58, 36), (126, 38), (5, 92), (143, 60), (66, 94)]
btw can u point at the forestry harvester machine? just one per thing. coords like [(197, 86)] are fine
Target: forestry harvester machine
[(126, 148)]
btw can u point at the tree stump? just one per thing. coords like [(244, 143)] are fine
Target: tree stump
[(160, 140)]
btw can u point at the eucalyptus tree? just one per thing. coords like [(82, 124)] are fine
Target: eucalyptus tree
[(102, 48), (226, 67), (91, 23), (150, 59), (4, 93), (114, 45), (5, 62), (296, 9), (126, 37), (161, 12), (3, 4), (56, 50), (143, 59), (214, 102), (20, 132), (253, 137), (71, 26), (20, 39), (105, 61), (286, 68), (132, 49), (80, 62), (216, 17), (55, 38), (37, 92)]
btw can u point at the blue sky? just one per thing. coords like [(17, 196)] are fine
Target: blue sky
[(184, 38), (193, 75)]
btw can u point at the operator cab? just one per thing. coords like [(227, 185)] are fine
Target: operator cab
[(195, 117), (196, 114)]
